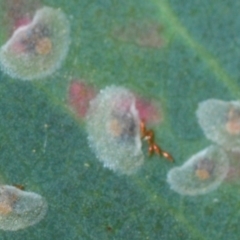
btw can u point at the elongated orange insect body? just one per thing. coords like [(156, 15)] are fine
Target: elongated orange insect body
[(148, 135)]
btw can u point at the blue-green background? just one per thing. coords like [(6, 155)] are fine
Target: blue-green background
[(199, 59)]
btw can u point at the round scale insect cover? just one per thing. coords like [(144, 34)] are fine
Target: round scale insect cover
[(202, 173), (36, 50), (20, 209), (113, 127), (220, 122)]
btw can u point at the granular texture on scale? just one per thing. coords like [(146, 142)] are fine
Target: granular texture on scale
[(20, 209), (220, 122), (201, 173), (37, 49), (113, 127)]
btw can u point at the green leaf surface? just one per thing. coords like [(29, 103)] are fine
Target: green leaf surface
[(193, 56)]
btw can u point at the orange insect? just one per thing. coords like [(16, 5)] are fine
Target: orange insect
[(148, 135)]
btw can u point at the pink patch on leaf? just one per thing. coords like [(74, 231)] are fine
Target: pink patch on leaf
[(148, 111), (18, 44), (80, 95), (22, 22), (20, 12)]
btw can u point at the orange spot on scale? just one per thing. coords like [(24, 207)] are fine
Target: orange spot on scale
[(116, 128), (202, 174), (43, 46)]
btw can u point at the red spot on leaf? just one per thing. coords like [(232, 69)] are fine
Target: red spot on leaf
[(148, 111), (22, 22), (19, 13), (142, 33), (80, 95)]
